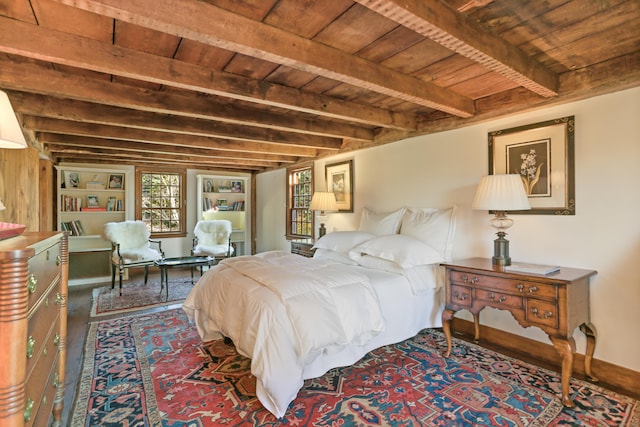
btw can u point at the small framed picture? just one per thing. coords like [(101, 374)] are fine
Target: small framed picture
[(71, 179), (116, 181), (236, 186), (92, 201), (207, 185)]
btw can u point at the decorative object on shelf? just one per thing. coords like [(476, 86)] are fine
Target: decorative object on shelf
[(95, 184), (92, 201), (11, 135), (71, 179), (207, 185), (116, 181), (236, 186), (542, 154), (323, 201), (501, 193), (339, 177)]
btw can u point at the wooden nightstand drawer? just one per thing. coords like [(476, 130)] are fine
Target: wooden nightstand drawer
[(461, 295), (542, 313), (498, 299), (302, 248)]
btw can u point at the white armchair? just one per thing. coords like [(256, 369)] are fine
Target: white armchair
[(213, 238), (131, 248)]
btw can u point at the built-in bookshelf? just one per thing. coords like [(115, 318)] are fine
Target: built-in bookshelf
[(88, 198), (225, 197)]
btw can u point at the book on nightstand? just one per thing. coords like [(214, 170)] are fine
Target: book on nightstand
[(532, 268)]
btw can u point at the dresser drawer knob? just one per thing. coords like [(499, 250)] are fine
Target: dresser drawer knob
[(56, 340), (520, 287), (465, 278), (459, 296), (474, 280), (546, 315), (31, 346), (32, 283), (56, 380), (58, 260), (502, 298), (28, 409), (58, 299)]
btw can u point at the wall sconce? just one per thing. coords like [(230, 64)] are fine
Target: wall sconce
[(323, 201), (11, 135), (501, 193)]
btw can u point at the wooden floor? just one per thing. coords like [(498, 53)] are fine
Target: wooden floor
[(78, 320)]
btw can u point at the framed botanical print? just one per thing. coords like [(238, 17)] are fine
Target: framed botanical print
[(339, 178), (543, 155)]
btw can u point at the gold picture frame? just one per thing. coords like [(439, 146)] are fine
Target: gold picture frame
[(339, 178), (543, 154)]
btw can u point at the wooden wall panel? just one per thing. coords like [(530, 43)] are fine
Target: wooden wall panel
[(20, 186)]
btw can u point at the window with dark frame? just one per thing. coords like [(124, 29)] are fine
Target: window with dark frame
[(299, 191), (160, 203)]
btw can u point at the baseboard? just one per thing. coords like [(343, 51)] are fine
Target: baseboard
[(618, 378)]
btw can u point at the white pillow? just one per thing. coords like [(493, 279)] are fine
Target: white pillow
[(381, 223), (329, 255), (376, 263), (403, 250), (435, 227), (342, 241)]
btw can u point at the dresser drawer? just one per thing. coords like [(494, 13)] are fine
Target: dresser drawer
[(37, 383), (460, 295), (46, 402), (506, 285), (43, 320), (43, 269), (542, 313), (498, 299)]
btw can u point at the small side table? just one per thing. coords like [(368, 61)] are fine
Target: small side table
[(302, 248), (556, 303), (181, 262)]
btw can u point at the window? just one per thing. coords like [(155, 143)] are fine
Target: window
[(160, 202), (299, 192)]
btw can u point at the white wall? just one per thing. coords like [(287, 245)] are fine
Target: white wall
[(443, 169)]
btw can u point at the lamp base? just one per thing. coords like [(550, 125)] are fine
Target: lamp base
[(501, 250), (322, 230)]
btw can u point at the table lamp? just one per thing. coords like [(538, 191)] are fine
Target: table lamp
[(501, 193), (323, 201), (11, 135)]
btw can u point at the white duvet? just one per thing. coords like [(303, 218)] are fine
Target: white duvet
[(296, 318)]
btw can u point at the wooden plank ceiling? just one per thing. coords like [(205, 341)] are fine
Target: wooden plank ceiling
[(254, 85)]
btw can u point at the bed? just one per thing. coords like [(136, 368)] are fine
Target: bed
[(296, 317)]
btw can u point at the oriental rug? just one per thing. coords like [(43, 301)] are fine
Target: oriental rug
[(153, 370), (138, 296)]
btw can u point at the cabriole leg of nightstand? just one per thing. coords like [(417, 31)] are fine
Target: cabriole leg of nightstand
[(567, 349), (476, 326), (447, 315), (590, 332)]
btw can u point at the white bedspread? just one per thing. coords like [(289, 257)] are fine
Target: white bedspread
[(269, 305)]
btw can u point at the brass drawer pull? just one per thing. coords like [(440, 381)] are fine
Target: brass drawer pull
[(465, 279), (58, 299), (56, 380), (520, 287), (31, 346), (56, 340), (474, 280), (28, 409), (58, 260), (459, 296), (502, 298), (32, 283), (533, 289), (546, 315)]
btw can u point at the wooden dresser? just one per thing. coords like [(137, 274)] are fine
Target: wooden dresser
[(557, 303), (33, 327)]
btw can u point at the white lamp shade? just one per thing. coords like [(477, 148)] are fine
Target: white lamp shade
[(11, 135), (501, 193), (323, 201)]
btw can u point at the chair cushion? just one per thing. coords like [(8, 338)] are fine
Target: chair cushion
[(214, 250), (137, 255)]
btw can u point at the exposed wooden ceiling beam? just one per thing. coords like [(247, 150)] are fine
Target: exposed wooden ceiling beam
[(43, 124), (78, 142), (215, 26), (437, 21), (37, 79), (86, 112), (41, 43)]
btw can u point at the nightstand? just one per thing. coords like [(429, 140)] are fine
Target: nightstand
[(302, 248), (556, 303)]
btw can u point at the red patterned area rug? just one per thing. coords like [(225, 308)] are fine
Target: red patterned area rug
[(138, 296), (153, 370)]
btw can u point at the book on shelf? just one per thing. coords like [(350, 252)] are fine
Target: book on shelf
[(73, 227), (70, 204), (532, 268)]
